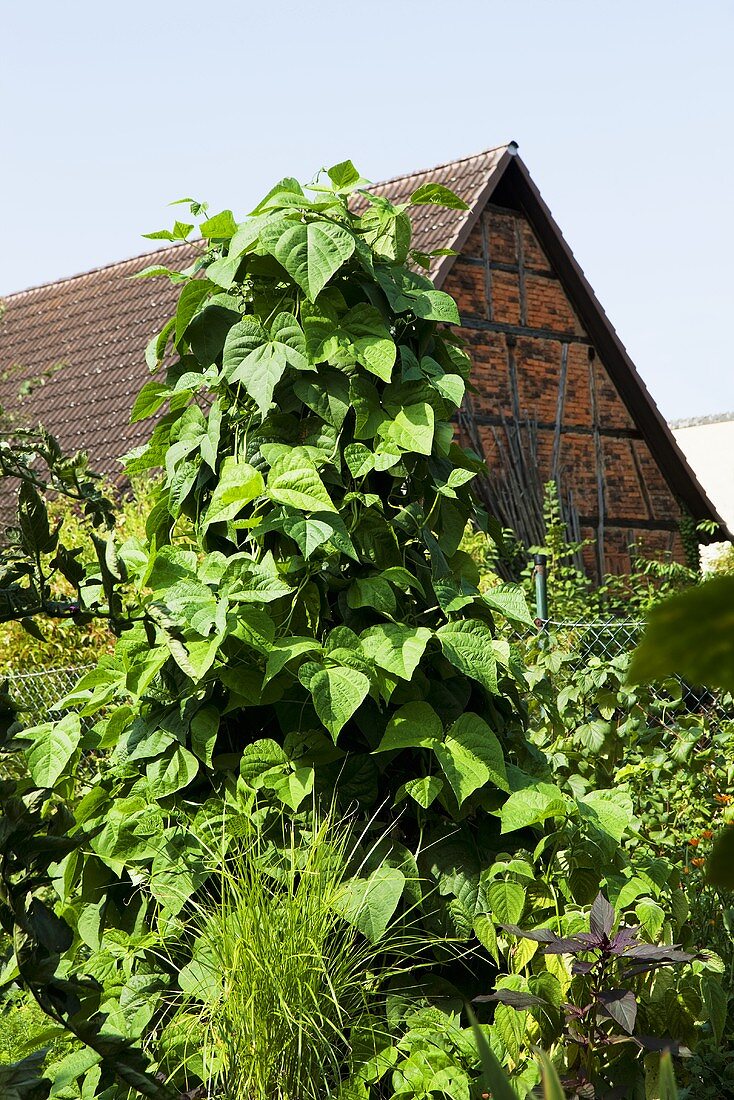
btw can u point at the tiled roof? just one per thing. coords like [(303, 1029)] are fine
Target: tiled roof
[(437, 226), (78, 343), (700, 421)]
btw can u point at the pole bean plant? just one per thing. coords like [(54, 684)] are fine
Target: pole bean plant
[(299, 628)]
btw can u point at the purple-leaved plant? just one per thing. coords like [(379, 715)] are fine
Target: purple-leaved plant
[(606, 1012)]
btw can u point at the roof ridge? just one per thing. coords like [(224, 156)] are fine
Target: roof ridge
[(445, 164), (94, 270)]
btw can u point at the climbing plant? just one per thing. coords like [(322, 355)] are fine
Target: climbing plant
[(297, 626)]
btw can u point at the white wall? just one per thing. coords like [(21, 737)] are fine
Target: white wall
[(709, 448)]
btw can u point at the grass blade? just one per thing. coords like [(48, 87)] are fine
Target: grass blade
[(494, 1077), (552, 1088), (666, 1078)]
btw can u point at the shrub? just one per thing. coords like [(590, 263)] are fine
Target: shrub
[(572, 595), (65, 641)]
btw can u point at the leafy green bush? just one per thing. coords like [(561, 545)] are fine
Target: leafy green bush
[(723, 561), (572, 594), (23, 1030), (299, 626), (654, 745), (691, 634), (667, 746), (614, 973)]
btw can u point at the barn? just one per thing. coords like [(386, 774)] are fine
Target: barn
[(555, 395)]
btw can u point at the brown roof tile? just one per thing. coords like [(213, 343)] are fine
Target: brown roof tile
[(436, 226), (79, 343)]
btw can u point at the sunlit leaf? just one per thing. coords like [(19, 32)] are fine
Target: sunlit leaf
[(337, 693), (294, 480), (311, 252), (370, 903), (467, 643), (471, 757), (435, 194), (52, 746)]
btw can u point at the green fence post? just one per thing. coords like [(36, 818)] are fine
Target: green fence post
[(541, 589)]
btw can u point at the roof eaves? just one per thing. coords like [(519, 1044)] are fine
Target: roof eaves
[(66, 279), (151, 256), (440, 167)]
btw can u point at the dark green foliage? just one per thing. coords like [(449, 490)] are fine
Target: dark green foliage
[(23, 1080), (693, 634), (300, 598), (674, 762), (721, 864), (612, 968), (34, 557)]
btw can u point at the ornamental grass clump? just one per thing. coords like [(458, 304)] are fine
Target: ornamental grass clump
[(283, 996)]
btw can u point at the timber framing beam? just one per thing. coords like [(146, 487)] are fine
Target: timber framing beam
[(626, 523), (630, 386), (511, 269), (517, 192), (493, 421), (478, 323)]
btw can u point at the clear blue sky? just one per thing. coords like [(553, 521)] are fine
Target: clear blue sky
[(623, 113)]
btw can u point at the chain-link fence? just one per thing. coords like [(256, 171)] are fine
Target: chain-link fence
[(587, 646), (606, 639), (581, 645), (35, 693)]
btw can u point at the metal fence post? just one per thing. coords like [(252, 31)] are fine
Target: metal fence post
[(541, 589)]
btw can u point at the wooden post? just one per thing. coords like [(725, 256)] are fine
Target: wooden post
[(643, 487), (521, 271), (559, 412), (599, 456), (486, 259), (512, 374)]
